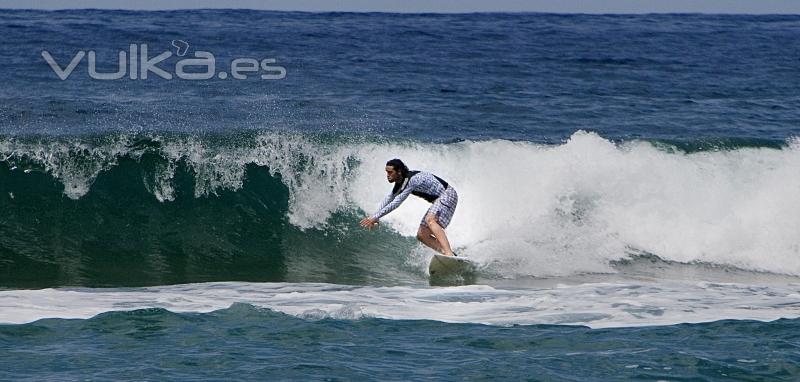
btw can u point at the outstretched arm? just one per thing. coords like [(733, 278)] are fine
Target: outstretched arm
[(391, 202), (388, 199), (370, 221)]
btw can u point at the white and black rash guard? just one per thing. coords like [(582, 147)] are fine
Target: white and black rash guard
[(422, 184)]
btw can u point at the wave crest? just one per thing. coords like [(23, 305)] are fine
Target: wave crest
[(525, 209)]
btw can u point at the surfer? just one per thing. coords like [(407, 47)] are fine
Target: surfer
[(435, 190)]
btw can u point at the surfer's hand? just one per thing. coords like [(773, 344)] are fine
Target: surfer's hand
[(368, 222)]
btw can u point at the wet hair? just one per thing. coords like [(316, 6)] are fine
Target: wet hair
[(398, 165)]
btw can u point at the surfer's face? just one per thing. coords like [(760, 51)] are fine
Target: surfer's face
[(392, 175)]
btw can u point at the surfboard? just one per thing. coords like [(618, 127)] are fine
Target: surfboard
[(449, 270)]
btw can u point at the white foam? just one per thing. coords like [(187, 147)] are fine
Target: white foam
[(598, 305), (76, 164), (528, 209)]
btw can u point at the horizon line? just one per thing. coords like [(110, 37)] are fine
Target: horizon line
[(410, 12)]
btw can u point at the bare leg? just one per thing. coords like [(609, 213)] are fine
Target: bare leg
[(439, 235), (425, 235)]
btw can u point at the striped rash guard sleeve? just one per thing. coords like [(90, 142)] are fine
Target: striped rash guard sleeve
[(390, 202)]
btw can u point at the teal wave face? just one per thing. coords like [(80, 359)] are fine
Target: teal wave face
[(118, 234), (124, 228)]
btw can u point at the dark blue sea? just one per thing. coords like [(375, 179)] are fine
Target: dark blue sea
[(180, 194)]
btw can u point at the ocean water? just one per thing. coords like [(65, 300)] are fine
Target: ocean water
[(628, 189)]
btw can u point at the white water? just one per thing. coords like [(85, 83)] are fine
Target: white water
[(596, 305), (528, 209)]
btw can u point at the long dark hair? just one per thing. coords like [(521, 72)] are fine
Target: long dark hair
[(398, 165)]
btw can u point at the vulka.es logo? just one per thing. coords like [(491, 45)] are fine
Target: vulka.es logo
[(137, 64)]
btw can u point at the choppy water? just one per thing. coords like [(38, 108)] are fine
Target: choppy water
[(628, 188)]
